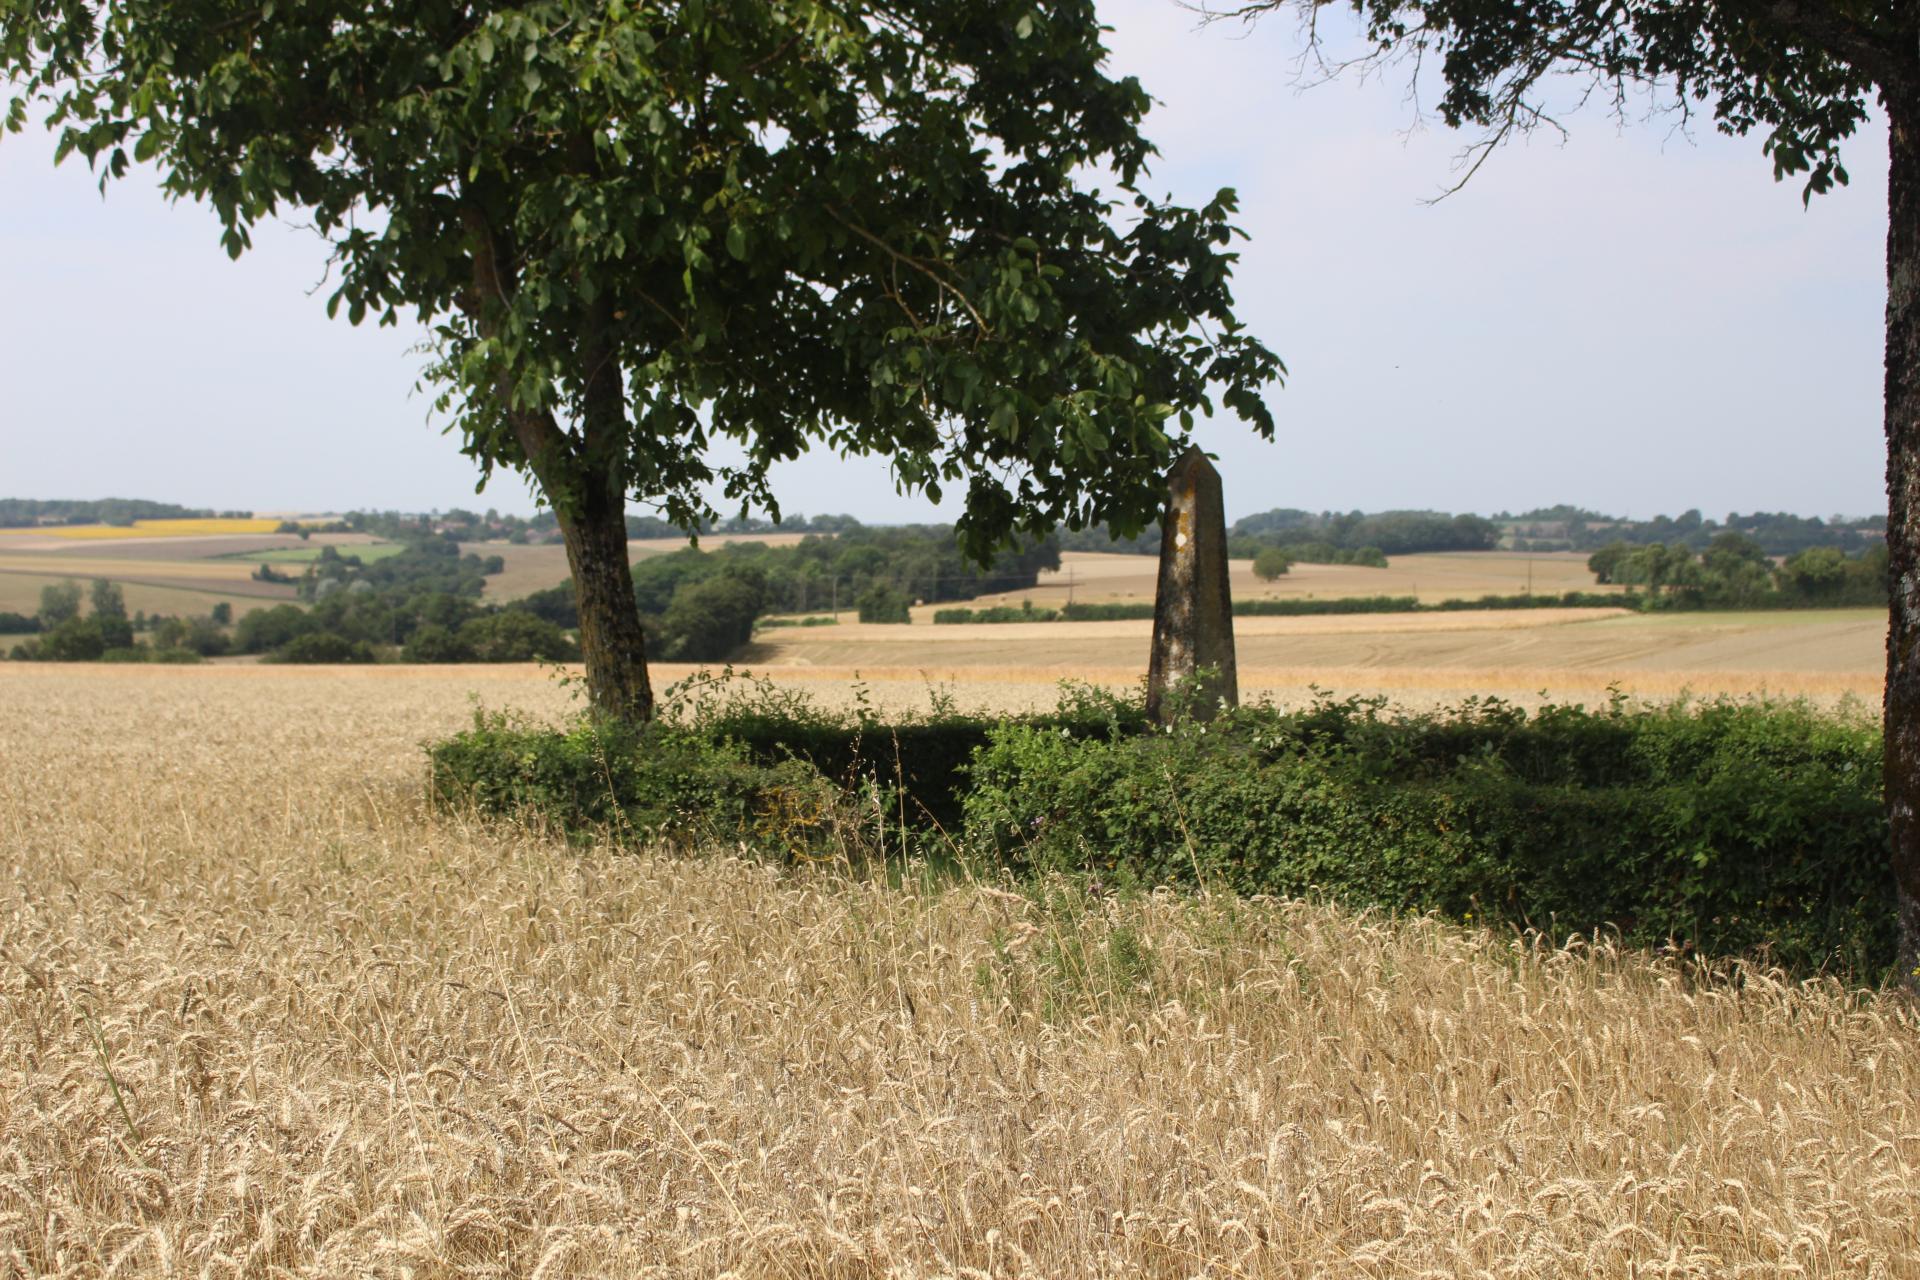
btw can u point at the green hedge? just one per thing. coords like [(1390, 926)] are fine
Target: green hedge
[(997, 613), (663, 782), (1725, 828), (1126, 610)]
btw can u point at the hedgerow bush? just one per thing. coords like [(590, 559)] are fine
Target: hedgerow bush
[(662, 782), (1295, 607), (1723, 828)]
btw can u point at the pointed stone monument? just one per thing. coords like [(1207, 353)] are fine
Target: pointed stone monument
[(1192, 609)]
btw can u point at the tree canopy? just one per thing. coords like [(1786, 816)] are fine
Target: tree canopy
[(906, 228), (1802, 71)]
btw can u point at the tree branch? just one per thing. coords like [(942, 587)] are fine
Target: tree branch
[(916, 264)]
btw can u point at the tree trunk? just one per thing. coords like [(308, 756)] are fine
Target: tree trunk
[(1902, 706), (595, 529), (583, 480)]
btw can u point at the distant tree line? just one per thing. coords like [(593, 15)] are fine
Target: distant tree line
[(1367, 538), (1735, 572), (1329, 537), (18, 512), (424, 604), (492, 526), (1776, 533), (103, 632), (699, 606), (420, 605), (429, 565)]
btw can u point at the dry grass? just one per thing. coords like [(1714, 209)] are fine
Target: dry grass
[(262, 1013)]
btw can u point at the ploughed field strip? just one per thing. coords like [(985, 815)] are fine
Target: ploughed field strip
[(262, 1010)]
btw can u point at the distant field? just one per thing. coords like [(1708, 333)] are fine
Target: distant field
[(1104, 576), (1413, 658), (535, 568), (367, 553), (183, 574), (156, 587), (144, 529), (20, 593)]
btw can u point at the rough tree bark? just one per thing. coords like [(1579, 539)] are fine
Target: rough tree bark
[(594, 525), (611, 644), (1902, 707)]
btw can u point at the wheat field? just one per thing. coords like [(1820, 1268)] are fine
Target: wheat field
[(264, 1013)]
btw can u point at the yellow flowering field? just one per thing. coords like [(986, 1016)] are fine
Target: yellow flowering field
[(147, 529)]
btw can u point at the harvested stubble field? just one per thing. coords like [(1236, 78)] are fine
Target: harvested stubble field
[(1528, 655), (1431, 576), (262, 1012), (174, 574)]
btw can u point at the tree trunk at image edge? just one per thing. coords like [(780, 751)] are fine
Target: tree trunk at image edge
[(611, 644), (1902, 706)]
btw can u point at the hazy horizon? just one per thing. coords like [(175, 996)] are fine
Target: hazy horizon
[(939, 515)]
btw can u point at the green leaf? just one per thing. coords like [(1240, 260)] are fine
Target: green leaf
[(737, 242)]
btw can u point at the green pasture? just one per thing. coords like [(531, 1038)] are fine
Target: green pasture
[(307, 555)]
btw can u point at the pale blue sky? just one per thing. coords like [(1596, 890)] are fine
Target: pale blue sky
[(1632, 321)]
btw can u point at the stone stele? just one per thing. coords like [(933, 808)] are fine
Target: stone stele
[(1193, 608)]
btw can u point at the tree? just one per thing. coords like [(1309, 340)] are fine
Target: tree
[(1816, 574), (318, 647), (883, 602), (515, 636), (435, 643), (637, 230), (1605, 564), (59, 602), (1271, 563), (710, 618), (1803, 72), (109, 601)]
